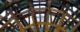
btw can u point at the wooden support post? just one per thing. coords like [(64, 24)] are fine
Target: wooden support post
[(47, 16), (33, 16)]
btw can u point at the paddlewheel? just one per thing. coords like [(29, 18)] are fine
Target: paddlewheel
[(39, 15)]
